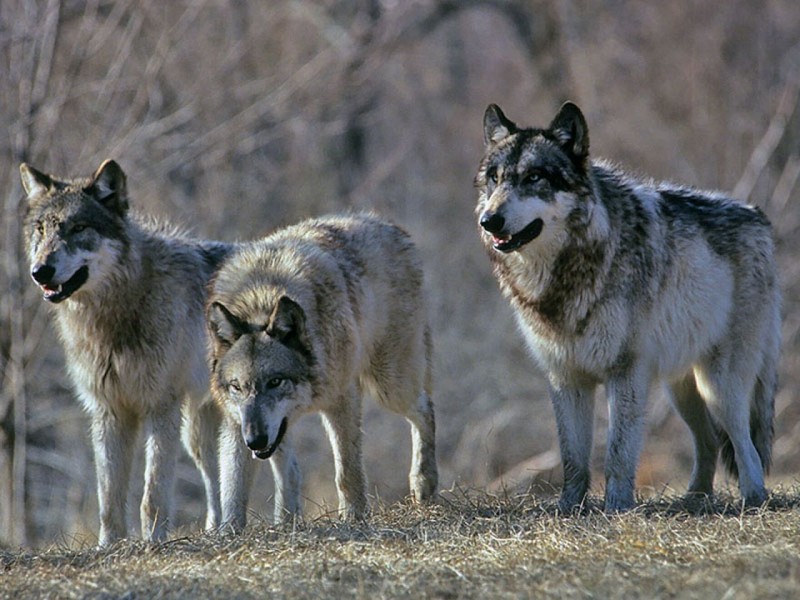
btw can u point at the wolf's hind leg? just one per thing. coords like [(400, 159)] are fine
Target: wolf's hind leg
[(343, 424), (692, 408), (200, 434), (423, 477), (729, 397), (286, 473)]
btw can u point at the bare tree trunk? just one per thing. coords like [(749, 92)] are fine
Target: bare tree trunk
[(30, 60)]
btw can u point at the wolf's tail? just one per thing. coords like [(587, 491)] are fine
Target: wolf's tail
[(762, 413)]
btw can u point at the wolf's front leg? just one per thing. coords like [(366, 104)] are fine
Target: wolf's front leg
[(627, 398), (286, 473), (236, 474), (162, 433), (113, 438), (343, 424), (574, 409)]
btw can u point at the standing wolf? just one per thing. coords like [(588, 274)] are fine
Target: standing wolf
[(131, 298), (307, 320), (620, 282)]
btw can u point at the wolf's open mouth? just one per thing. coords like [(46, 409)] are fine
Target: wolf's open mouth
[(509, 243), (57, 293), (269, 451)]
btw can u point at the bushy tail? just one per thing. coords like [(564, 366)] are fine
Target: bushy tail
[(762, 413)]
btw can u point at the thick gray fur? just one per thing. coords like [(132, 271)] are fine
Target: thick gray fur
[(311, 319), (621, 281), (129, 297)]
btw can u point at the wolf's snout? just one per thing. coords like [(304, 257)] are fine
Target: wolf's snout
[(43, 274), (257, 442), (257, 439), (492, 222)]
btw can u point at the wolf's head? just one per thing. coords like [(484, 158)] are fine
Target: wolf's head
[(530, 179), (262, 367), (74, 229)]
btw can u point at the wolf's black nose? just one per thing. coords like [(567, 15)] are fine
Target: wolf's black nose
[(257, 442), (492, 222), (43, 274)]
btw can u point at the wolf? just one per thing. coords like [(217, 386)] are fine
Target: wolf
[(307, 320), (623, 282), (130, 295)]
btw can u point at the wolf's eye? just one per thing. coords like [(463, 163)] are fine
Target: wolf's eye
[(39, 227), (274, 382), (531, 178), (491, 174), (235, 387), (78, 228)]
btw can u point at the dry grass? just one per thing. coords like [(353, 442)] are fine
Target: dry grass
[(467, 545), (232, 118)]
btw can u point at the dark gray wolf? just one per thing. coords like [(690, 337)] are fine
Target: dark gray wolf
[(622, 282), (131, 299), (308, 320)]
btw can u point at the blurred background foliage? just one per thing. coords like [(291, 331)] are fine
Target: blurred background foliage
[(234, 117)]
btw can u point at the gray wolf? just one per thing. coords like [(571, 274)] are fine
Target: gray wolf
[(307, 320), (623, 282), (130, 296)]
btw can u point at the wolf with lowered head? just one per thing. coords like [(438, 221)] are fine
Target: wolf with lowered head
[(129, 298), (308, 320), (622, 282)]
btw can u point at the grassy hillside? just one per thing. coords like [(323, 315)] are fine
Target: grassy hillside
[(234, 117), (469, 545)]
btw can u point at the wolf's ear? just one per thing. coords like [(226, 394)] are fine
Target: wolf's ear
[(109, 188), (496, 126), (287, 323), (224, 325), (34, 182), (569, 127)]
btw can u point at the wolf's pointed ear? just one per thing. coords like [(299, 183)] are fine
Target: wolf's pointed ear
[(287, 323), (569, 126), (224, 325), (496, 126), (109, 188), (34, 182)]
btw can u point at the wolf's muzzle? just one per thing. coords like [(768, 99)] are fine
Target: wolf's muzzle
[(258, 443), (508, 243), (43, 275)]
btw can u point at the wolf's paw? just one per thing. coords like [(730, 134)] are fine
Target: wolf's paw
[(571, 503), (423, 489), (756, 498), (618, 504)]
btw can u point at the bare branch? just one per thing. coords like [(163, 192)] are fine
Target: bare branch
[(770, 140)]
